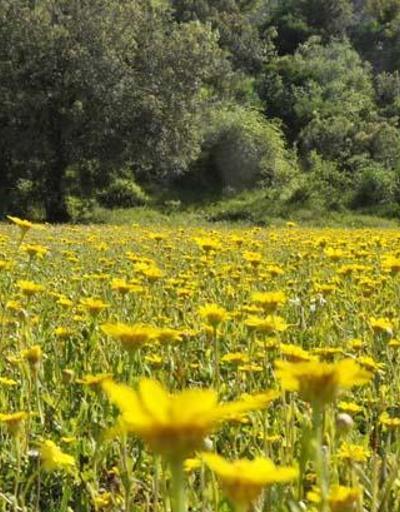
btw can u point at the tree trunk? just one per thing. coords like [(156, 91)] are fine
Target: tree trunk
[(55, 203)]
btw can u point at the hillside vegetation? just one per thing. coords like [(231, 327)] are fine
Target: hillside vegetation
[(118, 103)]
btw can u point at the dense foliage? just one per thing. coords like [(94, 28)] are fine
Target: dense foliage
[(217, 94)]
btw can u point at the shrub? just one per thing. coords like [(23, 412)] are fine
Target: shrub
[(375, 186), (244, 148), (122, 193)]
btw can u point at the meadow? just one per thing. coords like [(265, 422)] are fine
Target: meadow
[(168, 368)]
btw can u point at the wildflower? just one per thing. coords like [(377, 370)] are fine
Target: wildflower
[(353, 453), (33, 355), (94, 381), (53, 458), (173, 425), (207, 244), (268, 325), (35, 250), (29, 288), (243, 480), (381, 326), (254, 258), (370, 364), (62, 332), (192, 464), (24, 225), (269, 301), (93, 306), (295, 354), (340, 498), (389, 422), (391, 264), (213, 314), (319, 382), (14, 421), (131, 337), (349, 407), (7, 382), (167, 335), (121, 286)]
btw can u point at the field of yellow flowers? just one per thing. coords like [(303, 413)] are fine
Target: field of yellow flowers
[(172, 369)]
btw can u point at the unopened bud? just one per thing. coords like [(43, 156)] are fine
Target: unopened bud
[(344, 423), (208, 445)]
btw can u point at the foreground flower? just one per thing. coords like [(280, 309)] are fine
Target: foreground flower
[(174, 425), (24, 225), (319, 382), (53, 458), (243, 480)]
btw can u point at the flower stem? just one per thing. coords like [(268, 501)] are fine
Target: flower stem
[(217, 376), (320, 458), (178, 486)]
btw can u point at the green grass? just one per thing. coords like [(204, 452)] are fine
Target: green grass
[(248, 208)]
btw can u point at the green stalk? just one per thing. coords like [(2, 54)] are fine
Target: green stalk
[(321, 466), (177, 486), (217, 376)]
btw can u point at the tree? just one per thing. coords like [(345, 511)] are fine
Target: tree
[(239, 24), (112, 82), (297, 20)]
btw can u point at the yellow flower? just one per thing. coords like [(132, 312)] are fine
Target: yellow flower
[(35, 250), (130, 336), (269, 301), (192, 464), (340, 498), (213, 314), (7, 382), (29, 288), (295, 354), (53, 458), (167, 335), (207, 244), (381, 326), (33, 355), (24, 225), (120, 285), (349, 407), (243, 480), (391, 264), (353, 453), (173, 425), (389, 422), (94, 380), (268, 325), (62, 332), (94, 306), (319, 382), (14, 421)]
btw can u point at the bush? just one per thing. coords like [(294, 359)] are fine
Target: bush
[(24, 200), (244, 148), (83, 210), (122, 193), (324, 185), (375, 186)]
